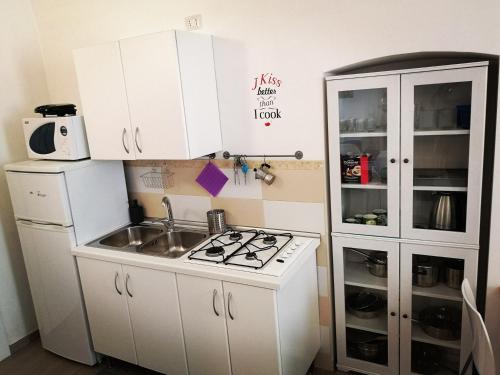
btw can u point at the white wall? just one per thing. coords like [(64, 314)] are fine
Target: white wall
[(22, 88), (295, 40)]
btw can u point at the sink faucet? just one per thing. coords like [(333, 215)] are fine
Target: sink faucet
[(169, 218)]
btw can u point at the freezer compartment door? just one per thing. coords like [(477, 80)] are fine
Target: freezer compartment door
[(56, 291), (40, 197)]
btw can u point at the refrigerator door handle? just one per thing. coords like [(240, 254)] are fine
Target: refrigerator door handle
[(44, 226)]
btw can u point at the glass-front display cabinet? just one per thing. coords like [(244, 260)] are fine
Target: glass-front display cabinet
[(366, 276), (442, 136), (435, 330), (363, 126)]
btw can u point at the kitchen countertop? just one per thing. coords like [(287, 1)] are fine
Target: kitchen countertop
[(179, 265)]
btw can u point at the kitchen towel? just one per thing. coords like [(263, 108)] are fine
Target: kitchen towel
[(212, 179)]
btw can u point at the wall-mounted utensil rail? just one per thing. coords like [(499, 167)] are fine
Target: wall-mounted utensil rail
[(298, 155)]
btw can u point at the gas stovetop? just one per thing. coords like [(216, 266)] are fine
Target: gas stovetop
[(253, 250)]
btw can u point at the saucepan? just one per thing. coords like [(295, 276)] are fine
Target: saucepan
[(364, 305), (375, 262), (425, 272), (441, 322), (369, 346)]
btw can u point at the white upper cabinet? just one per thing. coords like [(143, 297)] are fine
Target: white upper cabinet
[(363, 131), (442, 138), (163, 97), (104, 101)]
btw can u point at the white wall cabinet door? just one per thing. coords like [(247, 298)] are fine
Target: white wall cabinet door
[(354, 282), (156, 320), (442, 138), (417, 343), (363, 121), (150, 97), (104, 100), (204, 322), (106, 302), (252, 326), (151, 71)]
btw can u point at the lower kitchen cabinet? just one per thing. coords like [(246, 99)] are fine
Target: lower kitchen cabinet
[(204, 321), (424, 349), (134, 314), (406, 316), (237, 329), (107, 309)]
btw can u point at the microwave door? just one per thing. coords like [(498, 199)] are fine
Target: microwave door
[(42, 139)]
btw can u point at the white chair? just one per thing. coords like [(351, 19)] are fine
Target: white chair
[(482, 352)]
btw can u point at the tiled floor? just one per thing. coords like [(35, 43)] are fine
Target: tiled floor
[(33, 360)]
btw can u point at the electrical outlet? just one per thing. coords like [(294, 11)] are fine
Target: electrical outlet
[(193, 22)]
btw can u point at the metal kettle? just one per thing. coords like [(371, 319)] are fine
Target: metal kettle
[(443, 215)]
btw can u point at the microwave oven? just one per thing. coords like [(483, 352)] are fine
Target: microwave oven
[(56, 138)]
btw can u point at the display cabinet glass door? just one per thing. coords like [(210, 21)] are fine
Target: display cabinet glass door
[(442, 136), (366, 295), (363, 127), (435, 333)]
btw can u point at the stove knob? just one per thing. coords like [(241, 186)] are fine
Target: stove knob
[(290, 252), (298, 242), (285, 255), (294, 246), (280, 260)]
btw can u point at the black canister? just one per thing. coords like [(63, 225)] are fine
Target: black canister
[(136, 212)]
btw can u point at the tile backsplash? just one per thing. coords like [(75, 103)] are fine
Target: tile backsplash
[(295, 201)]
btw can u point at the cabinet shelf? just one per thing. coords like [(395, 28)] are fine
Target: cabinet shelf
[(356, 274), (363, 135), (420, 133), (440, 188), (440, 291), (372, 185), (376, 325), (419, 335)]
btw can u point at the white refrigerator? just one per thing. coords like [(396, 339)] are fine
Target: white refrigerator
[(59, 205)]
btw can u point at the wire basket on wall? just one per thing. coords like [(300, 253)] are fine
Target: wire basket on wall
[(158, 179)]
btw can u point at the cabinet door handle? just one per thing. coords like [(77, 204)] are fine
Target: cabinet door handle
[(116, 285), (124, 133), (393, 160), (213, 302), (137, 143), (229, 297), (406, 160), (126, 285)]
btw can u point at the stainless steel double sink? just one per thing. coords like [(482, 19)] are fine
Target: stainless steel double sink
[(152, 239)]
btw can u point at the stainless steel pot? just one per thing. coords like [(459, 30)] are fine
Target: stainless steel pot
[(425, 272), (376, 263), (364, 305), (441, 322), (454, 273)]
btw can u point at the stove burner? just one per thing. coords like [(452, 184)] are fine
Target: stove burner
[(269, 240), (235, 236), (214, 251), (251, 256)]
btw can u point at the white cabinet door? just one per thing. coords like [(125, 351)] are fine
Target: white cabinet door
[(40, 197), (106, 302), (252, 327), (363, 133), (355, 283), (152, 78), (156, 319), (204, 323), (442, 137), (55, 288), (417, 300), (104, 100)]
